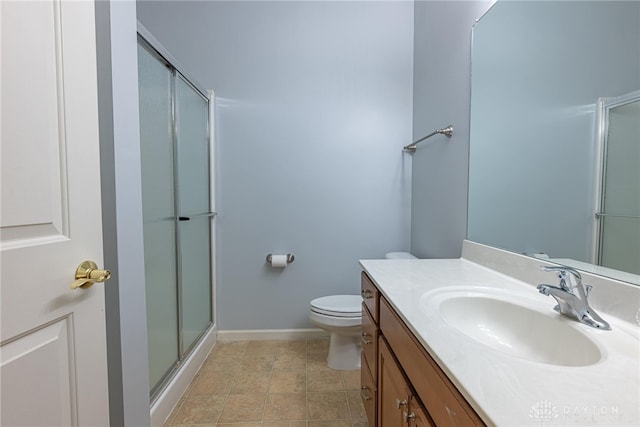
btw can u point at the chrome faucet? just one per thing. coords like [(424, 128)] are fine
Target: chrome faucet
[(570, 304)]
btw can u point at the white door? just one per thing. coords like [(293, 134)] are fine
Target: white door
[(53, 345)]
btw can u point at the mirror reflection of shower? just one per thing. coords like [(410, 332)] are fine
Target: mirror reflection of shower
[(533, 164), (618, 218)]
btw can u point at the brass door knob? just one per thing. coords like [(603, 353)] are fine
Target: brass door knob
[(87, 274)]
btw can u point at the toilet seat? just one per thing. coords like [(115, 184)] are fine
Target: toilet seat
[(338, 306)]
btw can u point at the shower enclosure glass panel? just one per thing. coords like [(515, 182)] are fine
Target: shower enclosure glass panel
[(158, 204), (196, 290), (193, 209), (620, 227), (174, 139)]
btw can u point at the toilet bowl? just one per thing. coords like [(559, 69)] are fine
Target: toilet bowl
[(341, 316)]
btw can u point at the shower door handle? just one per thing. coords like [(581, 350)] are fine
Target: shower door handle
[(196, 216)]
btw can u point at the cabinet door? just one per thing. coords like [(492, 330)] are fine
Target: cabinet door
[(368, 391), (369, 337), (418, 415), (446, 405), (393, 391)]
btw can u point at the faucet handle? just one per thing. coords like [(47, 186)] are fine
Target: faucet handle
[(562, 270), (587, 289)]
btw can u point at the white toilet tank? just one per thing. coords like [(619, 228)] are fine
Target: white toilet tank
[(399, 255)]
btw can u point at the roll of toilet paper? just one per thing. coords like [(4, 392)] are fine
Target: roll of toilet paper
[(279, 261)]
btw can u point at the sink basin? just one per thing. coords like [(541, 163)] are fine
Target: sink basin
[(514, 324)]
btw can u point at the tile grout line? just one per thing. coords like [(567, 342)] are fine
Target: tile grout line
[(228, 393), (266, 397), (235, 375), (306, 384), (346, 397)]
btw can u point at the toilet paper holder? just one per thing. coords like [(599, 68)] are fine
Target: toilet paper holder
[(290, 258)]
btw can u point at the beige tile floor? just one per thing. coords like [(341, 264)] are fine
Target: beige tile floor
[(271, 384)]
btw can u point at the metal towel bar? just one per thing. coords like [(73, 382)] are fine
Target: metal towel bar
[(448, 131)]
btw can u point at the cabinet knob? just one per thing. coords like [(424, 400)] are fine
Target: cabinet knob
[(364, 338), (367, 294), (400, 403), (407, 416), (363, 394)]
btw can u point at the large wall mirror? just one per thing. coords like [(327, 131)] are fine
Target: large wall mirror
[(553, 83)]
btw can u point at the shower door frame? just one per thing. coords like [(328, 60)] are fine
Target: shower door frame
[(154, 47), (603, 106)]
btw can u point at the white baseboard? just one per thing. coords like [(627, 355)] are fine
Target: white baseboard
[(271, 334), (170, 396)]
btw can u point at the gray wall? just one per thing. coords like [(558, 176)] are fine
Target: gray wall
[(441, 97), (122, 213), (314, 102)]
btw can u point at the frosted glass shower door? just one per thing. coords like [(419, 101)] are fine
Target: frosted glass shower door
[(158, 204), (192, 132), (620, 230), (174, 139)]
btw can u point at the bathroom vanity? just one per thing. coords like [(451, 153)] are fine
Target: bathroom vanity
[(455, 343), (401, 372)]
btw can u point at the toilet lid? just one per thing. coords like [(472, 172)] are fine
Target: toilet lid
[(338, 305)]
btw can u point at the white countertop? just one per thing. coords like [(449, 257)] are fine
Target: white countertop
[(503, 389)]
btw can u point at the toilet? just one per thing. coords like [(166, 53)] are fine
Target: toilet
[(399, 255), (341, 316)]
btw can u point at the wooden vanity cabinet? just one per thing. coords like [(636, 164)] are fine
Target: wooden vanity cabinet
[(410, 388), (368, 391), (444, 403), (398, 405), (369, 356), (369, 339), (394, 390), (370, 296), (419, 417)]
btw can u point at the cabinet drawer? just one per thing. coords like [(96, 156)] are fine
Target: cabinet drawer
[(443, 401), (370, 296), (368, 391), (369, 340)]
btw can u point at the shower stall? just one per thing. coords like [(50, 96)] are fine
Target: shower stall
[(618, 218), (177, 211)]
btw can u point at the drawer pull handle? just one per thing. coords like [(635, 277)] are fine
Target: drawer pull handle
[(367, 294), (364, 338), (407, 417), (400, 403), (363, 394)]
